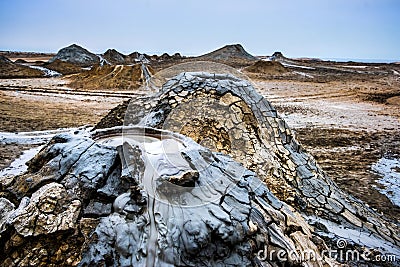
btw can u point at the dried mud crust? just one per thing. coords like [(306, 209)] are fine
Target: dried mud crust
[(346, 125), (347, 156)]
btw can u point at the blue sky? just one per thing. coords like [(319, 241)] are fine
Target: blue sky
[(364, 29)]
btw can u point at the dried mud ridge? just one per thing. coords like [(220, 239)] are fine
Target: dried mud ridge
[(153, 197)]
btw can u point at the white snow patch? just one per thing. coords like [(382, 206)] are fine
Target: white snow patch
[(47, 72), (39, 137), (304, 74), (102, 60), (142, 58), (395, 72), (266, 59), (18, 166), (355, 67), (297, 66), (389, 169)]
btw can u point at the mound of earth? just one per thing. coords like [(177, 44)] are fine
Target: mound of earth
[(20, 61), (114, 57), (228, 52), (166, 56), (234, 55), (119, 77), (132, 57), (8, 69), (277, 56), (63, 67), (76, 55), (267, 67)]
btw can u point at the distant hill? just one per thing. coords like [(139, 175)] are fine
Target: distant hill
[(114, 57), (228, 52), (76, 55), (234, 55), (278, 56), (9, 69)]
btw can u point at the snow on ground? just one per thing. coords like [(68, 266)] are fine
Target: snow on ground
[(18, 166), (304, 74), (389, 170), (47, 72), (103, 61), (297, 66), (38, 137), (335, 114), (355, 67)]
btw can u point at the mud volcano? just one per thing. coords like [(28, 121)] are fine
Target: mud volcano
[(202, 173)]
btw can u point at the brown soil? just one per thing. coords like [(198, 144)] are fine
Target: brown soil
[(32, 112), (63, 67), (109, 77), (13, 70)]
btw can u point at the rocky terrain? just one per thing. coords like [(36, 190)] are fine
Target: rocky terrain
[(136, 190)]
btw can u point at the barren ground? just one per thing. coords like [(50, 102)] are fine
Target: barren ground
[(346, 133), (24, 110)]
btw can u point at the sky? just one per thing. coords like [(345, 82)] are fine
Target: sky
[(355, 29)]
